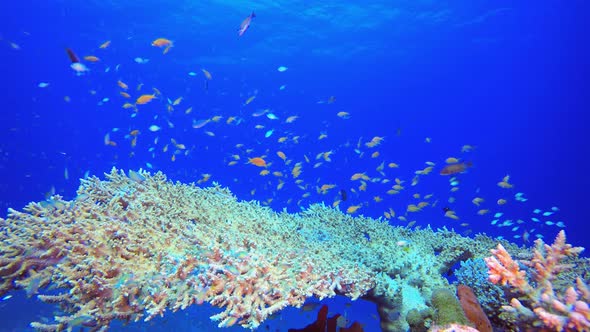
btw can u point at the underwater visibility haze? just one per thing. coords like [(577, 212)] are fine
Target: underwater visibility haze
[(294, 166)]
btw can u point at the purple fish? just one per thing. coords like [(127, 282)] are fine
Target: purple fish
[(245, 24)]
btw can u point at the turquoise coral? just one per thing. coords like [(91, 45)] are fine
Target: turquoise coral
[(133, 248)]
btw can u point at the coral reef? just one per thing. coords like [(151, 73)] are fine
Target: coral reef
[(448, 308), (474, 274), (133, 247)]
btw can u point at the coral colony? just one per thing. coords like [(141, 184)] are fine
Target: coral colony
[(133, 247)]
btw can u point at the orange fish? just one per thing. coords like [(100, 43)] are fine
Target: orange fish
[(245, 24), (144, 99), (91, 58), (352, 209), (257, 161), (163, 42), (455, 168)]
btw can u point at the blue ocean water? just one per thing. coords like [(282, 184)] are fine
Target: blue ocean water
[(510, 80)]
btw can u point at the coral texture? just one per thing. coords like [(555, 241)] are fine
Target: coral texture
[(543, 307), (133, 247)]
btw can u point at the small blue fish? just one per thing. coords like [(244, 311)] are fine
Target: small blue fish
[(560, 224), (537, 211), (549, 223), (514, 229), (272, 116), (520, 197), (535, 219), (555, 208), (547, 214), (269, 133), (507, 223), (494, 221), (498, 215)]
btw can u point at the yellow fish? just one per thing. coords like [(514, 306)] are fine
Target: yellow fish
[(344, 115), (249, 100), (352, 209), (144, 99)]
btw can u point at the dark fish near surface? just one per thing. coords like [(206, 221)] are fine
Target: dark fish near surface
[(245, 24), (455, 168)]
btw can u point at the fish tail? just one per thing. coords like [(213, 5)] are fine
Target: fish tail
[(253, 15), (73, 57)]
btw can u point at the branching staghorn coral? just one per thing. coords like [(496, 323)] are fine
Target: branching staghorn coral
[(131, 248)]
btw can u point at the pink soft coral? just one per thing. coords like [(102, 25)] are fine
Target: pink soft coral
[(560, 312)]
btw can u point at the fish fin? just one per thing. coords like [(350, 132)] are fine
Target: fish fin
[(73, 57)]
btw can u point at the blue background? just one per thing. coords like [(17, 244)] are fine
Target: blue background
[(510, 79)]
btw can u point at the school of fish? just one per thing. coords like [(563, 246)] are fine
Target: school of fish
[(271, 151)]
